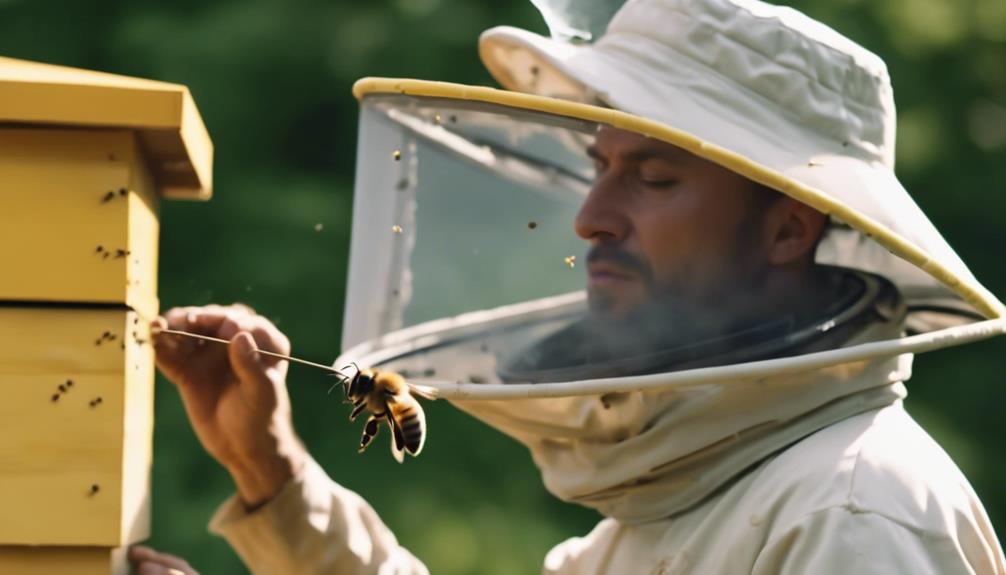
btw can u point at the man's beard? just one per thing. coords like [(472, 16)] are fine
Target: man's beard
[(673, 313), (667, 319)]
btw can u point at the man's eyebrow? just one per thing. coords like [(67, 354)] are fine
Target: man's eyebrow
[(670, 156)]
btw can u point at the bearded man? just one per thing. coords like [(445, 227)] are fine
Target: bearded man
[(713, 241)]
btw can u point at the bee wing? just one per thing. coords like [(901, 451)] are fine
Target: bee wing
[(398, 443), (398, 454), (423, 391)]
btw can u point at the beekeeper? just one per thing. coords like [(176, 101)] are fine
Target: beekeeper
[(727, 390)]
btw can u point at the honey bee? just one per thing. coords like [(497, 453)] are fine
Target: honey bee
[(387, 395)]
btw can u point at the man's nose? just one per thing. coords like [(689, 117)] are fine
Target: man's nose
[(602, 215)]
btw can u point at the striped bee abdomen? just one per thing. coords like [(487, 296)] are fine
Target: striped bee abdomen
[(413, 425)]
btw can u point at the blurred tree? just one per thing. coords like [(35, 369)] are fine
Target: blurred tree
[(272, 80)]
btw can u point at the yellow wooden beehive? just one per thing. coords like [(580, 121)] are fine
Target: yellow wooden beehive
[(85, 158)]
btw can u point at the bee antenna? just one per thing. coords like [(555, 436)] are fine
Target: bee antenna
[(344, 382)]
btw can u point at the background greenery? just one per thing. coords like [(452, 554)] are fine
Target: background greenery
[(272, 79)]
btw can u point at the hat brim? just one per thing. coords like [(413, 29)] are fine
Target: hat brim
[(931, 276)]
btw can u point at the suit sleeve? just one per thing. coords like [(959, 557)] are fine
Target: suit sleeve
[(313, 526), (842, 540)]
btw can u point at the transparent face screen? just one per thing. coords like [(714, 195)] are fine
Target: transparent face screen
[(493, 244)]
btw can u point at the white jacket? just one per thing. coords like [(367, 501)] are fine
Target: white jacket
[(872, 494)]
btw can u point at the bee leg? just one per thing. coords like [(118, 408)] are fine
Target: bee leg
[(360, 406), (369, 431)]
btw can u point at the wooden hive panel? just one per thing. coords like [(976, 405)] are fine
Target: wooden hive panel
[(63, 560), (163, 115), (78, 218), (74, 470)]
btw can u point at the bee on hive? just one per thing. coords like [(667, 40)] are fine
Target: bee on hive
[(388, 396)]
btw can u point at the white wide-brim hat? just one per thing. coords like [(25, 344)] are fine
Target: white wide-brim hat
[(761, 90), (776, 97)]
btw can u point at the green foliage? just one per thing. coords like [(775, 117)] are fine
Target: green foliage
[(273, 79)]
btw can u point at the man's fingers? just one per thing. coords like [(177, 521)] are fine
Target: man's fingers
[(186, 360), (148, 568), (225, 322), (174, 352), (205, 320), (179, 317), (151, 562), (138, 553), (177, 354), (266, 335), (169, 351), (181, 358)]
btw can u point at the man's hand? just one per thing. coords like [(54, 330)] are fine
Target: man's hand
[(146, 561), (235, 397)]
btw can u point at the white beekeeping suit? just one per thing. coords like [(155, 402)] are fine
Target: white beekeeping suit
[(784, 448)]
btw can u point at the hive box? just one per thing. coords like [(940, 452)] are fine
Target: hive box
[(85, 159)]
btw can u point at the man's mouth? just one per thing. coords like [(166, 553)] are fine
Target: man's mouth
[(605, 274)]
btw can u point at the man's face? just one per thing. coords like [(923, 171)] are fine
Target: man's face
[(666, 226)]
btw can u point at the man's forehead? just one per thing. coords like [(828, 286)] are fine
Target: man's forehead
[(615, 142)]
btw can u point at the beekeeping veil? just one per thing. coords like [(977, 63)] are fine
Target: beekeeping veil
[(466, 273)]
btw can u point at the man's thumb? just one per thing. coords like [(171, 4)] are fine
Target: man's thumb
[(244, 358)]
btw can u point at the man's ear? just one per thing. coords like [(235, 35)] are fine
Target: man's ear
[(793, 230)]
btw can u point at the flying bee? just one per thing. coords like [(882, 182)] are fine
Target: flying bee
[(387, 395)]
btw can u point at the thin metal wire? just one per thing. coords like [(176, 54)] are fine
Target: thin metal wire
[(156, 330)]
